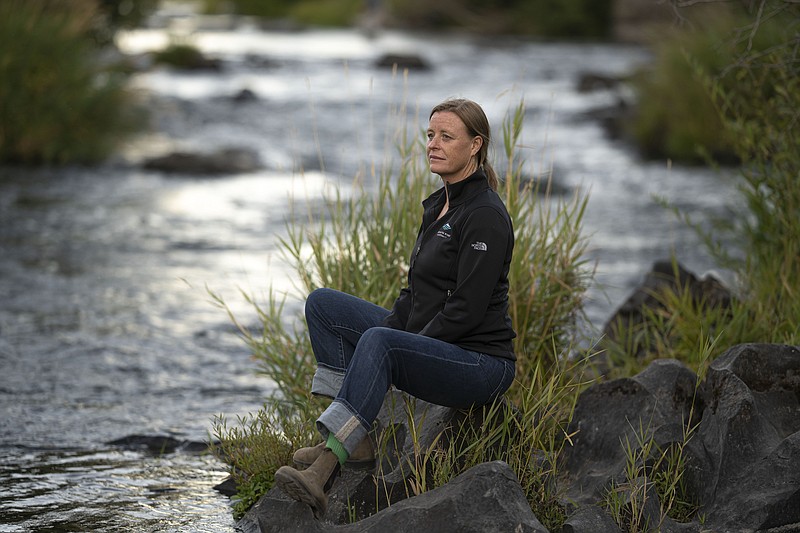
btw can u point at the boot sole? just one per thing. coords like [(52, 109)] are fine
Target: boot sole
[(357, 465), (297, 490)]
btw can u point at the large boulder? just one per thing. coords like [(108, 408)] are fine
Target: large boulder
[(743, 451), (486, 498), (742, 457), (655, 403), (746, 473)]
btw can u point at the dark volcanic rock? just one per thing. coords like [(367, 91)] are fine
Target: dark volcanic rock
[(485, 499), (355, 494), (748, 474), (590, 519), (411, 62), (664, 277), (657, 402), (742, 457), (159, 444)]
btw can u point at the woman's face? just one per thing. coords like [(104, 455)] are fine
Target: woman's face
[(451, 149)]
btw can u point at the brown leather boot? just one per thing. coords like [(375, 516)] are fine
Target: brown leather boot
[(363, 456), (311, 485)]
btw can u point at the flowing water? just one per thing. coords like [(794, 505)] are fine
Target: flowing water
[(106, 325)]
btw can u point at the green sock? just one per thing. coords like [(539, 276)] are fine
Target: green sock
[(336, 447)]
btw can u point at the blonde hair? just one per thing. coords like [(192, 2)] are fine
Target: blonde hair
[(473, 117)]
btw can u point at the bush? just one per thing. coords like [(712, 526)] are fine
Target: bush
[(562, 19), (675, 116), (313, 12), (760, 244), (56, 105)]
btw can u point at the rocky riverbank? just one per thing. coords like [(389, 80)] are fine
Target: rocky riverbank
[(738, 429)]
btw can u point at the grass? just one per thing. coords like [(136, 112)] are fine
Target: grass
[(761, 243)]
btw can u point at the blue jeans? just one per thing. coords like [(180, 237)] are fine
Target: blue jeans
[(358, 360)]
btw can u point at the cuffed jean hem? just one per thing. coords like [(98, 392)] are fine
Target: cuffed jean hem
[(327, 382), (344, 423)]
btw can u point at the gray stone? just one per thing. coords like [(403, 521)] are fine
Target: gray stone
[(222, 161), (747, 469), (485, 499), (590, 519), (656, 402), (664, 277)]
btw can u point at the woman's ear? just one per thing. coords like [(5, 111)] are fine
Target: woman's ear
[(477, 142)]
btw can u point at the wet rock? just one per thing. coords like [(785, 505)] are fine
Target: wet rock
[(223, 161), (245, 95), (593, 81), (159, 444), (227, 487), (403, 61)]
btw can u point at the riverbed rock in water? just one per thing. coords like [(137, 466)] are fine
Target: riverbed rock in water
[(218, 162), (402, 61)]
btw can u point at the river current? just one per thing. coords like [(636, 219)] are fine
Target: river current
[(107, 328)]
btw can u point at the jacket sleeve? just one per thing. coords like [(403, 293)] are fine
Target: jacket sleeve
[(482, 252), (400, 310)]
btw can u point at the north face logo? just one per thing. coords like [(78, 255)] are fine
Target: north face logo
[(480, 246)]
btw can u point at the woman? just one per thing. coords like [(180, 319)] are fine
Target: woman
[(447, 339)]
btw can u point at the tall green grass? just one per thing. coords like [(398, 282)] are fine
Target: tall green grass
[(676, 116), (57, 104), (359, 243), (756, 96)]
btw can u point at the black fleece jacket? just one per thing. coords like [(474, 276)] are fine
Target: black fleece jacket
[(458, 273)]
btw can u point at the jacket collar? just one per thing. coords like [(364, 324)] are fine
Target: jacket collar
[(460, 191)]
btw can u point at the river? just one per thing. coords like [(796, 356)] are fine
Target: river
[(106, 324)]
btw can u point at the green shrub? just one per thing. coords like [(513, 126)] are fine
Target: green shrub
[(562, 19), (760, 244), (56, 105), (675, 116)]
